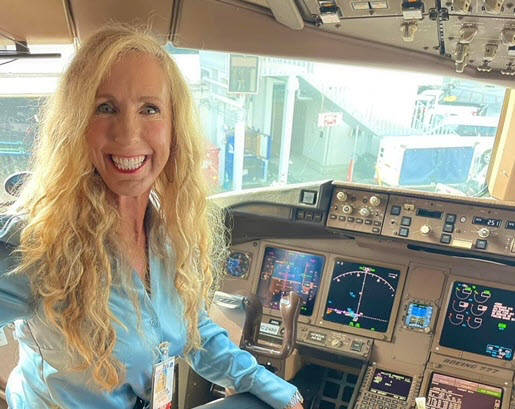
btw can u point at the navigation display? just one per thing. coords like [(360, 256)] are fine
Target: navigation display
[(390, 384), (287, 270), (361, 295), (480, 320), (447, 391)]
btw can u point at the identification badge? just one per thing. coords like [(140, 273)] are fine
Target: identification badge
[(163, 382)]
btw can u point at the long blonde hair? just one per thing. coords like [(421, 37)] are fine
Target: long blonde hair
[(68, 243)]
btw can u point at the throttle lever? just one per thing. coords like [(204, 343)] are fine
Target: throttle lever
[(290, 308)]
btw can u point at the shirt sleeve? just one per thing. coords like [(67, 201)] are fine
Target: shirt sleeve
[(15, 290), (223, 363)]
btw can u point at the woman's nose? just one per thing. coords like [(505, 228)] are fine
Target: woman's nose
[(127, 129)]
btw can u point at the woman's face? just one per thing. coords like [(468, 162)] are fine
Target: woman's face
[(129, 134)]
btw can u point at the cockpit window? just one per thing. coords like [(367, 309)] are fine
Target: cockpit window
[(24, 85), (273, 121)]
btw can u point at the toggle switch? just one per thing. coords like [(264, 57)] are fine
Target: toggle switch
[(460, 66), (493, 6), (490, 52), (461, 52), (508, 36), (408, 30), (509, 70), (462, 6), (467, 33)]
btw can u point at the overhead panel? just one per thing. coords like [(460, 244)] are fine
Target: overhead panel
[(474, 34), (35, 21), (90, 15), (413, 35)]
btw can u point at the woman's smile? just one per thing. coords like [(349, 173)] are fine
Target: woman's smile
[(128, 164)]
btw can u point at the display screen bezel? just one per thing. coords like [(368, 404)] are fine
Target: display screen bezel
[(462, 378), (384, 393), (261, 256), (387, 336), (406, 315), (441, 349)]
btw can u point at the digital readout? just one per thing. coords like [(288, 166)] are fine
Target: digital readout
[(510, 224), (433, 214), (485, 221)]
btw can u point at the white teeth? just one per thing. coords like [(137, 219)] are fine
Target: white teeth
[(128, 163)]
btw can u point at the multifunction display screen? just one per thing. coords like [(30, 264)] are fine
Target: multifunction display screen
[(480, 320), (287, 270), (361, 295), (391, 384), (419, 316), (450, 392)]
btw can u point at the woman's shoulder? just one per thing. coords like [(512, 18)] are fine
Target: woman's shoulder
[(11, 226)]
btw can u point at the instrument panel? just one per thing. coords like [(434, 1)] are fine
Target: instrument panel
[(445, 223), (427, 317)]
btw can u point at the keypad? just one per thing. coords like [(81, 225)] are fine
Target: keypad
[(372, 400)]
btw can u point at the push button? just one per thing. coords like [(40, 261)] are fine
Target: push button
[(450, 218), (448, 228), (395, 210), (341, 218), (445, 239), (404, 232), (406, 221), (481, 244), (368, 221)]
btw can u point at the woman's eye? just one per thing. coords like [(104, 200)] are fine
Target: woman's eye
[(150, 110), (105, 108)]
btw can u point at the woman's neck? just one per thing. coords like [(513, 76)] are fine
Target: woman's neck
[(132, 217)]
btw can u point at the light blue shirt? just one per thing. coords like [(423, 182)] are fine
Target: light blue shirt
[(41, 378)]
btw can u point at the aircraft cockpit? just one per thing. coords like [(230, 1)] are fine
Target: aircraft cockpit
[(403, 294), (363, 153)]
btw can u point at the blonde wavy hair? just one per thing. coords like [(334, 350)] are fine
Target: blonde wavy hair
[(68, 243)]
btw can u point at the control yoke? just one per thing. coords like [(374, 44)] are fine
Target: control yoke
[(290, 308)]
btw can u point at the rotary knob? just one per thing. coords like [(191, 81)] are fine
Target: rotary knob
[(336, 343), (347, 209), (483, 233), (425, 229), (374, 201), (341, 196), (364, 212)]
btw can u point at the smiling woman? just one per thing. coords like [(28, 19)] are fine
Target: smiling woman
[(116, 209), (129, 133)]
